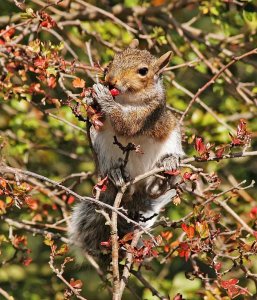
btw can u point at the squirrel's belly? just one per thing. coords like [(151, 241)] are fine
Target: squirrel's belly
[(111, 156)]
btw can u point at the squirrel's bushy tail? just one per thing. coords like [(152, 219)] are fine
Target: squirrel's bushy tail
[(88, 227)]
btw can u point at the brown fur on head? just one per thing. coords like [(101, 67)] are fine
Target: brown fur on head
[(134, 71)]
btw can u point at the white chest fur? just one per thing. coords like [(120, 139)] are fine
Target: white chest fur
[(110, 154)]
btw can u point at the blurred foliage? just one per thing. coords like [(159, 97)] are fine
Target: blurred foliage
[(36, 135)]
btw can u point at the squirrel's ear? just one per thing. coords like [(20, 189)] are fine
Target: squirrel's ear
[(134, 44), (163, 61)]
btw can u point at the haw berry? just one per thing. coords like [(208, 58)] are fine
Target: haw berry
[(114, 92)]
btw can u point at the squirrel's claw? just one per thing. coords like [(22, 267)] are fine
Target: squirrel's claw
[(102, 92), (170, 163), (116, 177), (88, 101)]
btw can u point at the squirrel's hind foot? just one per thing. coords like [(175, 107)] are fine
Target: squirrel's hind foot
[(116, 177)]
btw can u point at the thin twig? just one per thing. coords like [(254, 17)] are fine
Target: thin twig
[(212, 80), (128, 262), (5, 294)]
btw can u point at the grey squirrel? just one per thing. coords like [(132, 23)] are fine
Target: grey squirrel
[(136, 115)]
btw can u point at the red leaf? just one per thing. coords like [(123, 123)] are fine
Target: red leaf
[(36, 88), (253, 213), (190, 176), (166, 248), (32, 203), (242, 135), (17, 240), (158, 2), (27, 261), (172, 172), (189, 230), (217, 266), (236, 141), (167, 235), (219, 152), (77, 284), (187, 175), (228, 283), (232, 288), (114, 92), (46, 21), (2, 207), (8, 33), (199, 145), (51, 82), (106, 244), (202, 149), (95, 117), (71, 199), (40, 62), (78, 83), (127, 237), (184, 227), (3, 183), (241, 128), (101, 185), (184, 250)]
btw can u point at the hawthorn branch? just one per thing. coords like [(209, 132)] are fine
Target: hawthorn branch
[(115, 246), (189, 160), (140, 277), (203, 105), (235, 216), (100, 273), (58, 273), (107, 14), (64, 121), (43, 232), (5, 294), (213, 79), (128, 261), (225, 156), (19, 172), (210, 199)]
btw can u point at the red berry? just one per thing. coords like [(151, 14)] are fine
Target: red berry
[(114, 92)]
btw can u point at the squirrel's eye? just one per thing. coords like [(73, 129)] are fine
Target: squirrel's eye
[(143, 71)]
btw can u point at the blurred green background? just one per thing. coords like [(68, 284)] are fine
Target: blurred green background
[(213, 31)]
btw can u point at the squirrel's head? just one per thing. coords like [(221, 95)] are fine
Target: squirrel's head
[(134, 71)]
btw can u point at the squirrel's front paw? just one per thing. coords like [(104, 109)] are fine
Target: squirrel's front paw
[(103, 97), (102, 93), (170, 163)]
